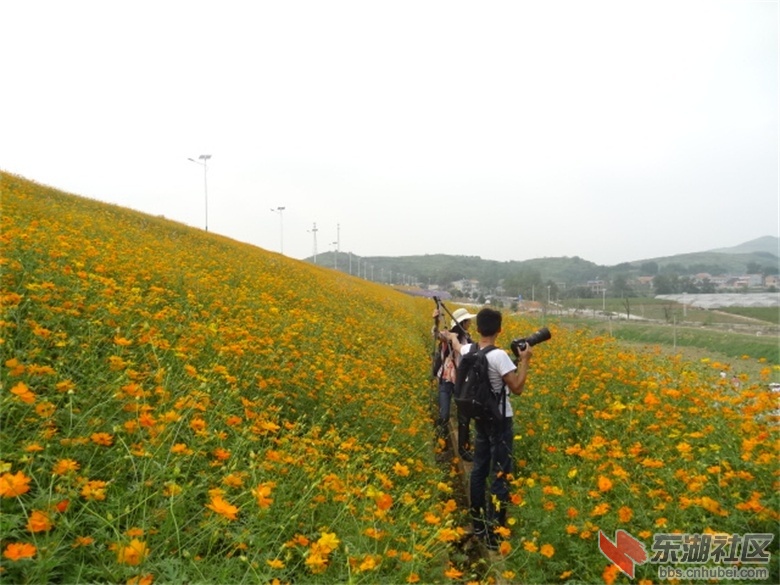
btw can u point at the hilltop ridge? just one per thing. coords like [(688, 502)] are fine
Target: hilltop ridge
[(442, 269)]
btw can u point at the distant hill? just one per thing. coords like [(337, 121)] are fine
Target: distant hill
[(442, 269), (769, 244)]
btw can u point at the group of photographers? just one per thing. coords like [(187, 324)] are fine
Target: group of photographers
[(492, 455)]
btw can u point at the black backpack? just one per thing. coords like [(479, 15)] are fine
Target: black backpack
[(473, 393)]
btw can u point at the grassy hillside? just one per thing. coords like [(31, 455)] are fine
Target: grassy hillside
[(180, 407)]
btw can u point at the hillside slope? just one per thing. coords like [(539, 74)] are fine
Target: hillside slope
[(173, 388)]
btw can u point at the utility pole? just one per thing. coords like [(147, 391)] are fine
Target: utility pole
[(205, 158), (314, 231), (337, 243), (279, 210)]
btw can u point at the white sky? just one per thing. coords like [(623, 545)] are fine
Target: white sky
[(613, 131)]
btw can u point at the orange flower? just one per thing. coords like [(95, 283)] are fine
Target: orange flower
[(610, 574), (263, 493), (625, 514), (147, 579), (547, 550), (64, 466), (132, 554), (453, 573), (222, 507), (39, 522), (605, 484), (530, 546), (14, 485), (19, 550), (82, 541), (23, 393), (384, 501), (103, 439), (447, 534)]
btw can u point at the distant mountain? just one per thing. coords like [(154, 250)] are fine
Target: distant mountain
[(769, 244), (443, 269)]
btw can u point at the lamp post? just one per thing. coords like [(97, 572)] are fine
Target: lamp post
[(279, 210), (204, 164), (314, 231), (337, 243)]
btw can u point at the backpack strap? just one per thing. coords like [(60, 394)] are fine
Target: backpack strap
[(486, 350)]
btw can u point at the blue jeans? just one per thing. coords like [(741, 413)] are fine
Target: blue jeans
[(446, 390), (445, 399), (493, 461)]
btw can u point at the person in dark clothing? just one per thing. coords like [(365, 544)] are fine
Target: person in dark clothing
[(493, 441)]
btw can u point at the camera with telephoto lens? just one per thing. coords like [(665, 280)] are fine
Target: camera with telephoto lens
[(520, 343)]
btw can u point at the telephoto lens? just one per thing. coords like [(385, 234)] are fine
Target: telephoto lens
[(519, 344)]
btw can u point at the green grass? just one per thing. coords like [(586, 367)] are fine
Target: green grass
[(669, 311), (735, 345), (769, 314)]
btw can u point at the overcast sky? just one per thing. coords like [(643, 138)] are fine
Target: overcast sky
[(613, 131)]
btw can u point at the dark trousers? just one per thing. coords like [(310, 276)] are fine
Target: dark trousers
[(492, 464)]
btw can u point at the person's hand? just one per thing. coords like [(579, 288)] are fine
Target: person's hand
[(525, 354), (447, 335), (436, 313)]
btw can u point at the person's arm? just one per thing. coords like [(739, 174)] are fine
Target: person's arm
[(515, 380), (452, 337)]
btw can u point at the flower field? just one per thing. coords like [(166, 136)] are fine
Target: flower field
[(178, 407)]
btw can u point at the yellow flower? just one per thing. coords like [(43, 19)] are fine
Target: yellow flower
[(401, 470), (132, 554), (94, 490), (328, 542)]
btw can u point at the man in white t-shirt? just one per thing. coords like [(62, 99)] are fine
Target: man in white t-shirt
[(493, 443)]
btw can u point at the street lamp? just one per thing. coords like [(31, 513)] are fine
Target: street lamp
[(314, 231), (204, 164), (279, 210)]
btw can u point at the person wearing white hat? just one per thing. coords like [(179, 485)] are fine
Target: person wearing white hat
[(459, 324)]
